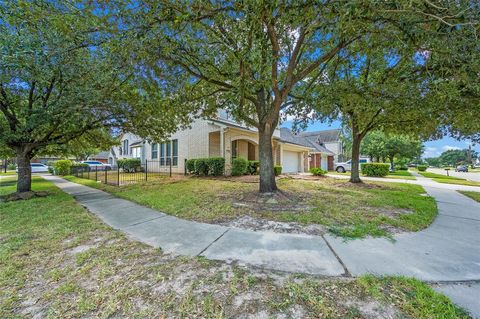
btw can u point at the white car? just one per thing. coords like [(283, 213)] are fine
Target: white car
[(347, 166), (37, 168), (97, 165)]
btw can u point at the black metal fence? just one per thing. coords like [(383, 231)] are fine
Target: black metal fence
[(148, 170)]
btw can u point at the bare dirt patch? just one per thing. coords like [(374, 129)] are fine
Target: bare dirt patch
[(259, 224)]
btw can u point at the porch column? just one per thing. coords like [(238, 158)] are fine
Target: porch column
[(302, 162), (222, 143), (280, 147)]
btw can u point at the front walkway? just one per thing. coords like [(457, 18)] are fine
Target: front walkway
[(449, 250)]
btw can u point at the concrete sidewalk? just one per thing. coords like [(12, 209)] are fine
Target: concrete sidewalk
[(447, 251), (283, 252)]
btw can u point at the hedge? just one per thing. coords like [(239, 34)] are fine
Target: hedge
[(253, 167), (375, 169), (63, 167), (317, 171), (239, 166), (130, 165), (11, 166), (214, 166), (422, 168), (190, 165), (277, 169)]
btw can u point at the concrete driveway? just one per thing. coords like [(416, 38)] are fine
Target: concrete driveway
[(471, 176)]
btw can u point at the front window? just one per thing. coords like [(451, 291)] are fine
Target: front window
[(125, 147), (162, 153), (135, 152), (175, 152), (154, 151), (234, 149)]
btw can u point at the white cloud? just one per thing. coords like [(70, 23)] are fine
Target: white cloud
[(431, 152)]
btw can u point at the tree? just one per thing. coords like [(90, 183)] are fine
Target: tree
[(246, 56), (390, 80), (454, 157), (433, 161), (373, 145), (402, 146), (66, 71)]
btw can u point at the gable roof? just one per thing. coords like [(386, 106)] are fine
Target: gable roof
[(326, 136), (286, 135)]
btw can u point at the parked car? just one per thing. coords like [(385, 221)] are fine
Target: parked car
[(461, 168), (347, 166), (37, 168), (97, 165)]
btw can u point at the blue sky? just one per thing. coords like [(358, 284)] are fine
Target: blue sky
[(432, 148)]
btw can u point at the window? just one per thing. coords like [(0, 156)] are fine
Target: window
[(135, 152), (154, 151), (169, 153), (125, 147), (175, 152), (162, 153), (234, 149), (120, 150)]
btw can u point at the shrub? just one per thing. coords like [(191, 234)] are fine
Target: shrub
[(190, 164), (422, 168), (130, 165), (277, 169), (201, 166), (253, 167), (11, 166), (216, 166), (375, 169), (63, 167), (239, 166), (317, 171), (401, 168)]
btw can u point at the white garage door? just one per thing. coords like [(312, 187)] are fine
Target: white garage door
[(291, 162)]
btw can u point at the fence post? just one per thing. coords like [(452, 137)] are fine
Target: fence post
[(96, 173), (118, 175), (88, 173), (185, 167), (170, 167), (146, 170), (106, 171)]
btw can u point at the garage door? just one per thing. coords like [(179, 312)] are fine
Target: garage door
[(291, 162)]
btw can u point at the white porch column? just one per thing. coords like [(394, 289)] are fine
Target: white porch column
[(302, 162), (222, 143), (280, 146)]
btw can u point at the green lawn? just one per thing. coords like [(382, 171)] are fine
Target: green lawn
[(8, 173), (472, 195), (448, 179), (351, 211), (57, 260)]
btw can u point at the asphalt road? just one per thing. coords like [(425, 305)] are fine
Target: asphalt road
[(471, 176)]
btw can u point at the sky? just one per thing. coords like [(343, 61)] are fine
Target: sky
[(432, 148)]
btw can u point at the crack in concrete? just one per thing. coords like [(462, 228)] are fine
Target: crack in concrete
[(213, 242), (345, 269)]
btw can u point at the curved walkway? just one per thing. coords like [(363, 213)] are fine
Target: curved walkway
[(447, 251)]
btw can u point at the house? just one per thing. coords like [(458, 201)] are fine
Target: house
[(221, 137), (103, 157)]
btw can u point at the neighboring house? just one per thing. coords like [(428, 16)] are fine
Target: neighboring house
[(224, 137), (103, 157)]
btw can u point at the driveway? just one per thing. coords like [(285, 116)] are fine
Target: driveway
[(471, 176)]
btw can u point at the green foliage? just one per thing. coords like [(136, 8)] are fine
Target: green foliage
[(375, 169), (201, 166), (216, 166), (253, 167), (277, 169), (11, 166), (317, 171), (190, 165), (130, 165), (63, 167), (239, 166), (422, 168)]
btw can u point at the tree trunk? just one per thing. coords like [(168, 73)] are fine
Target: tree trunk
[(267, 174), (355, 172), (392, 167), (24, 183)]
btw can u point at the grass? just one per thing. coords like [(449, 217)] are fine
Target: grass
[(8, 173), (472, 195), (351, 211), (59, 261), (448, 179)]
